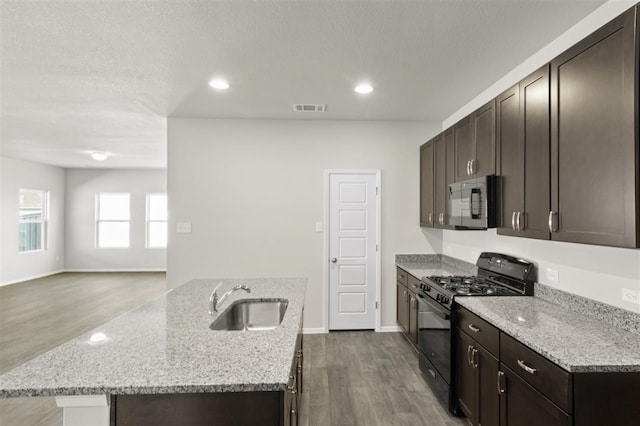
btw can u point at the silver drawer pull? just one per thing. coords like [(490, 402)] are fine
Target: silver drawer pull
[(500, 388), (526, 368), (473, 328)]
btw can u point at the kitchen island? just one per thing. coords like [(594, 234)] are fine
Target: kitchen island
[(166, 348)]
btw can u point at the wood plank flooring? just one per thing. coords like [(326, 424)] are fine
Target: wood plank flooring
[(38, 315), (366, 378), (351, 378)]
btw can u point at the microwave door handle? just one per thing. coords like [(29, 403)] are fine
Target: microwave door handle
[(475, 194)]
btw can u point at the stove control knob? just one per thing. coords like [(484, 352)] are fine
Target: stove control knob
[(445, 299), (427, 288), (439, 297)]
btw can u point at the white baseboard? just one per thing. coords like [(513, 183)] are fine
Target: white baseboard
[(118, 270), (314, 331), (32, 277), (390, 329)]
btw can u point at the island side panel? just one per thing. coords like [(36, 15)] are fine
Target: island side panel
[(220, 409)]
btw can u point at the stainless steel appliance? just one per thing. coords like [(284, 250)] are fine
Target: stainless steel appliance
[(473, 203), (498, 275)]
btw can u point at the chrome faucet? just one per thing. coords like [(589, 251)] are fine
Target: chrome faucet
[(213, 299)]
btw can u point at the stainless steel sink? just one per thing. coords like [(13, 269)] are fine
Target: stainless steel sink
[(251, 314)]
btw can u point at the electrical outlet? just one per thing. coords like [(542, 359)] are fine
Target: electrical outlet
[(553, 275), (631, 296), (319, 227), (183, 227)]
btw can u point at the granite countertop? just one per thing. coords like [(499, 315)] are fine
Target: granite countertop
[(426, 265), (574, 341), (166, 346)]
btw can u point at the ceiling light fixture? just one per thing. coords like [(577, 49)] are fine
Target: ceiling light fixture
[(219, 84), (363, 88), (99, 155)]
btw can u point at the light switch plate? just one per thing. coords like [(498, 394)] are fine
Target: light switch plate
[(319, 227), (631, 296), (183, 227)]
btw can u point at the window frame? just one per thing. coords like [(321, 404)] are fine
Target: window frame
[(149, 221), (44, 221), (98, 221)]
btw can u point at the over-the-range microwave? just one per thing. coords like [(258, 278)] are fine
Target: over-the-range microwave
[(473, 203)]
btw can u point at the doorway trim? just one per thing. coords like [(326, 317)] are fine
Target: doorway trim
[(325, 249)]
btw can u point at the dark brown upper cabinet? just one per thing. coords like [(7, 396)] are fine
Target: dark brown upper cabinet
[(475, 143), (436, 171), (427, 176), (594, 145), (522, 133)]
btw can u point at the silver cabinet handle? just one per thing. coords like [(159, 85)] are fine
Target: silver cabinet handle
[(334, 260), (513, 221), (441, 218), (520, 224), (473, 328), (431, 218), (474, 356), (526, 368), (468, 167), (469, 347), (471, 164), (500, 389), (551, 227)]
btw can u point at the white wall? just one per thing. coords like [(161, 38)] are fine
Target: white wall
[(18, 174), (595, 272), (592, 22), (80, 251), (253, 191)]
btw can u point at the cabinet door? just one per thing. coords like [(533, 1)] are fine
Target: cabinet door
[(450, 168), (440, 185), (462, 134), (534, 138), (402, 307), (413, 318), (426, 184), (522, 405), (477, 371), (465, 376), (488, 405), (593, 147), (484, 140), (510, 154)]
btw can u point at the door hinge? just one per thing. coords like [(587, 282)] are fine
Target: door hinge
[(377, 190), (376, 304), (376, 247)]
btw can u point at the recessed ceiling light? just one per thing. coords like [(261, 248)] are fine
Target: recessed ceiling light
[(219, 83), (99, 155), (364, 88)]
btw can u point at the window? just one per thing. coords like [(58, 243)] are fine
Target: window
[(112, 223), (32, 213), (156, 220)]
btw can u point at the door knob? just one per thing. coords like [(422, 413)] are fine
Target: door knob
[(334, 260)]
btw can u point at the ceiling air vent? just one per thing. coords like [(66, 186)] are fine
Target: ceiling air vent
[(310, 107)]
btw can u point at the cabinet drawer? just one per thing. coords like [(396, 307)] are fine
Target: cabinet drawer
[(402, 276), (414, 284), (549, 379), (480, 330)]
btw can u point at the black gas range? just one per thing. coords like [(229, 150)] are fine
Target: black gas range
[(498, 275)]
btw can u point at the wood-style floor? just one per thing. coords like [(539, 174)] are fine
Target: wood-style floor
[(350, 378), (38, 315)]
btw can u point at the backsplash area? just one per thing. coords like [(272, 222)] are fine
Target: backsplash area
[(613, 315), (594, 272)]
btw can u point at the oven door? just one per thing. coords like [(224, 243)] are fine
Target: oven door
[(434, 335)]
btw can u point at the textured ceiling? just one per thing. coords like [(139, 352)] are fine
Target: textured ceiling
[(77, 76)]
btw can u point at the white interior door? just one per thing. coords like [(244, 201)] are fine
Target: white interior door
[(352, 251)]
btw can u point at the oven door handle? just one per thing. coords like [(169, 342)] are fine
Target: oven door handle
[(436, 308)]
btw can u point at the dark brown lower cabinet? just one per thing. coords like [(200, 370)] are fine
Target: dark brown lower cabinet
[(477, 370), (522, 405), (220, 409), (402, 307)]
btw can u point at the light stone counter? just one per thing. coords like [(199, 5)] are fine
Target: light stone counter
[(575, 342), (166, 346), (433, 264)]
